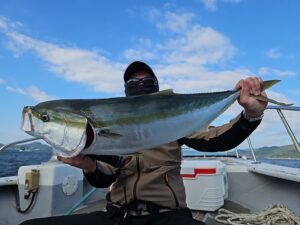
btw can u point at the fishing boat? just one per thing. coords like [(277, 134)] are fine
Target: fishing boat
[(219, 188)]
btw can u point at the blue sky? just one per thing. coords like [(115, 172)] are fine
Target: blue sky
[(79, 49)]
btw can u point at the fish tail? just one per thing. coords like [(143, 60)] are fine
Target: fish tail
[(265, 85), (269, 83), (265, 99)]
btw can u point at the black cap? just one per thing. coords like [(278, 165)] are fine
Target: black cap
[(137, 66)]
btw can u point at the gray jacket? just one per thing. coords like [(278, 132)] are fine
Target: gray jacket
[(154, 174)]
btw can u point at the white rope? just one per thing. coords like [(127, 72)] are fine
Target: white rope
[(273, 215)]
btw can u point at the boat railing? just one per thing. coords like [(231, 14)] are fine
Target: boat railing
[(17, 142), (290, 132)]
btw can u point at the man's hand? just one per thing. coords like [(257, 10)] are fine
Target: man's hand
[(247, 87), (87, 164)]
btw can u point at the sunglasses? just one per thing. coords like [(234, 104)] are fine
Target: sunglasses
[(132, 82)]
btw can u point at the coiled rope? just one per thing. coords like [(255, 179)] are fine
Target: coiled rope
[(273, 215)]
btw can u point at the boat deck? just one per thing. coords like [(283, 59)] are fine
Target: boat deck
[(207, 217), (257, 191)]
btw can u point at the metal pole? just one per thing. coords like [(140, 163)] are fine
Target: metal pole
[(237, 153), (251, 148), (18, 142), (289, 130)]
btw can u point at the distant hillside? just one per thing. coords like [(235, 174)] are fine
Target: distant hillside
[(286, 151)]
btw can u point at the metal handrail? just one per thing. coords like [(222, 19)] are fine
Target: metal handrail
[(291, 108), (18, 142), (289, 129), (251, 148), (285, 123)]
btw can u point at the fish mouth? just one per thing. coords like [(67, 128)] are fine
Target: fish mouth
[(90, 135), (27, 120)]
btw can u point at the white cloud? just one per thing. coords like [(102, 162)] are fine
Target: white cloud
[(6, 24), (73, 64), (142, 53), (32, 91), (38, 95), (171, 21), (284, 73), (184, 56), (190, 44), (279, 73), (195, 79), (16, 90), (199, 45), (263, 71), (232, 1), (183, 59), (212, 5), (2, 81), (70, 63), (138, 54), (274, 53)]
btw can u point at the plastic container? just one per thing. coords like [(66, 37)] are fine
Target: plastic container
[(205, 184), (59, 187)]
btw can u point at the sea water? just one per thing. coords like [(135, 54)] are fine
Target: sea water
[(11, 159)]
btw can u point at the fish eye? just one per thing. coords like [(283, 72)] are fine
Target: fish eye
[(45, 117)]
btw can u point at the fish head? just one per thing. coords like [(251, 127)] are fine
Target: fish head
[(64, 130)]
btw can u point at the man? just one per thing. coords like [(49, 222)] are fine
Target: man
[(148, 188)]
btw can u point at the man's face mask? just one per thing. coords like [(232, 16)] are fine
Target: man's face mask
[(140, 86)]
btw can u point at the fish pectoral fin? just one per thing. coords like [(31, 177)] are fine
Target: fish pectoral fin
[(107, 133), (164, 92), (265, 99)]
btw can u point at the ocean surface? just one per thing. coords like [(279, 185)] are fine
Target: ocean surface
[(294, 163), (11, 160)]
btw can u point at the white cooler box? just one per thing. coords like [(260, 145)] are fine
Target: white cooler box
[(60, 187), (205, 184)]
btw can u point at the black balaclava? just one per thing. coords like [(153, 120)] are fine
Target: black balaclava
[(142, 88)]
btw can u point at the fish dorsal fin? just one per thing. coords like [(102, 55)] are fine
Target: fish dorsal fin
[(164, 92)]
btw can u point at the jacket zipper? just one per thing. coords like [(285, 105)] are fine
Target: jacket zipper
[(138, 177), (172, 190)]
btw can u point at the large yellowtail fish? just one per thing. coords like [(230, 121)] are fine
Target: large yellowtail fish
[(124, 125)]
